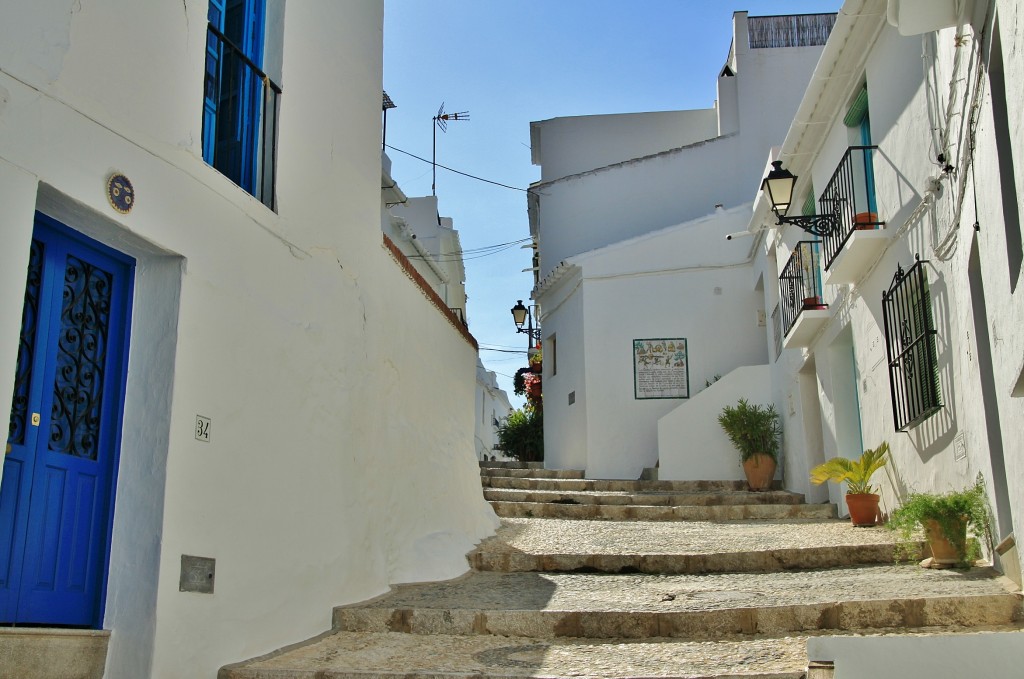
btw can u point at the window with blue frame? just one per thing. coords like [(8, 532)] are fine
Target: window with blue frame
[(240, 102)]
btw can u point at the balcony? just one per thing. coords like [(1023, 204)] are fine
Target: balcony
[(240, 109), (803, 310), (859, 236)]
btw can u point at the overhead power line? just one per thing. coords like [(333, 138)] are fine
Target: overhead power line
[(450, 169)]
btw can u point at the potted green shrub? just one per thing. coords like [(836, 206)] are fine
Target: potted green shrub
[(755, 431), (536, 361), (946, 520), (861, 498)]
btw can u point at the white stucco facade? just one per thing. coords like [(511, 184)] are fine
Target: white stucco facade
[(492, 407), (333, 469), (630, 218), (834, 388)]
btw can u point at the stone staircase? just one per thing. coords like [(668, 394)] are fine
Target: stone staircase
[(645, 579)]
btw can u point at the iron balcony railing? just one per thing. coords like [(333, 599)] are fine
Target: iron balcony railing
[(800, 283), (850, 198), (240, 118)]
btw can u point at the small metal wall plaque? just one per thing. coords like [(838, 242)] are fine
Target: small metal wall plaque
[(197, 574), (202, 429)]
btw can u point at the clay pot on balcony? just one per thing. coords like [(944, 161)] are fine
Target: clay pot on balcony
[(865, 221), (814, 303)]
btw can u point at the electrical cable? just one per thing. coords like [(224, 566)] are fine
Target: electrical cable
[(464, 174)]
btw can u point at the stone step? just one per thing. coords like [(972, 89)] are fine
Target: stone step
[(494, 464), (519, 473), (614, 486), (389, 655), (48, 653), (688, 606), (554, 510), (556, 545), (650, 499)]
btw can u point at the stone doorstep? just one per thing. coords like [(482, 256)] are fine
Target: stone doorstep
[(552, 510), (651, 499), (389, 655), (51, 653), (692, 607), (830, 556)]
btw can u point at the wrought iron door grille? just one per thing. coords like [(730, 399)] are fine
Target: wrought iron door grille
[(800, 283), (910, 345)]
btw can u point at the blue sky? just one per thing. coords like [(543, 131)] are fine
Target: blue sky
[(512, 62)]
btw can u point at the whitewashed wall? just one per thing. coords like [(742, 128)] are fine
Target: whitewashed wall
[(491, 405), (684, 181), (691, 443), (684, 282), (971, 312), (568, 147), (331, 472)]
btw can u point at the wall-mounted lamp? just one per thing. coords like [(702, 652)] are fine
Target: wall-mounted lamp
[(779, 187), (521, 316)]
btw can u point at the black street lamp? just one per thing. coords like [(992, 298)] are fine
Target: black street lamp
[(521, 316), (779, 187)]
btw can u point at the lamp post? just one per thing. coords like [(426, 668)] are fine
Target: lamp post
[(779, 187), (521, 316)]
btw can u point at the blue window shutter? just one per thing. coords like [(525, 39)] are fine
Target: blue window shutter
[(234, 89)]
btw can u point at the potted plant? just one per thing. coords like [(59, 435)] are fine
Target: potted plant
[(946, 519), (536, 361), (755, 431), (861, 498)]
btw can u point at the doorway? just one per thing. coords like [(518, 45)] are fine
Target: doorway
[(60, 464)]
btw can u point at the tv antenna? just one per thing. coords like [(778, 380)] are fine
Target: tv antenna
[(441, 121)]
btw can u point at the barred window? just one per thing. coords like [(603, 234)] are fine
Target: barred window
[(910, 344)]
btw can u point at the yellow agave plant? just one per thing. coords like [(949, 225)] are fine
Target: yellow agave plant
[(857, 473)]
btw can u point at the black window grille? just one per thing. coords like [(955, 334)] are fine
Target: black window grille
[(910, 344)]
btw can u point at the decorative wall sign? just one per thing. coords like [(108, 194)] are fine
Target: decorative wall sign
[(660, 368), (120, 193)]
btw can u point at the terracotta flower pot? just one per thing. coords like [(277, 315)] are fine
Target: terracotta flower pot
[(814, 303), (865, 221), (944, 552), (760, 471), (863, 508)]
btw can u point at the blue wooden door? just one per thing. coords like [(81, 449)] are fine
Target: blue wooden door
[(56, 494)]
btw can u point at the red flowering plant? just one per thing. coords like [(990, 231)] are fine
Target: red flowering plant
[(532, 387)]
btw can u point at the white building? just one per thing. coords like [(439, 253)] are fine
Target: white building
[(431, 246), (916, 345), (895, 323), (264, 444), (630, 217), (492, 407)]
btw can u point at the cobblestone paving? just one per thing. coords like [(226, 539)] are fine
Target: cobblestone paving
[(723, 600), (556, 536)]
